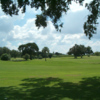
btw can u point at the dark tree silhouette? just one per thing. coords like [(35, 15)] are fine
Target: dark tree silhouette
[(77, 50), (89, 51), (45, 52), (29, 48)]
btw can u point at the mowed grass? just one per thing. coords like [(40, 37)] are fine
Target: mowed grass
[(61, 78)]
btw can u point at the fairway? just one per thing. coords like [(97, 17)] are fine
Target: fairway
[(62, 78)]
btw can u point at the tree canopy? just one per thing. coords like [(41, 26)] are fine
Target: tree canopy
[(54, 10), (89, 50), (29, 48), (4, 50), (45, 51), (80, 50)]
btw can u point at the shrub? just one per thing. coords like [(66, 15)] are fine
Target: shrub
[(97, 53), (5, 57), (50, 55), (26, 56), (40, 57)]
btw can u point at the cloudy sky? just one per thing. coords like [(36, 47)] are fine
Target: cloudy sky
[(21, 29)]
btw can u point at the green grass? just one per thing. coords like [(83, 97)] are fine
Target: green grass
[(63, 78)]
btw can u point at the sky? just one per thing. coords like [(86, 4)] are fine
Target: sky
[(21, 29)]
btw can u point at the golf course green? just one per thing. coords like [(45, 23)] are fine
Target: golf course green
[(60, 78)]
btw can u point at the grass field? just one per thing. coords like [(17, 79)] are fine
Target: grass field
[(63, 78)]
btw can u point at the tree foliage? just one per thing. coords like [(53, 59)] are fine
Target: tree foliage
[(50, 55), (4, 50), (54, 10), (1, 51), (15, 53), (5, 57), (97, 53), (45, 52), (80, 50), (89, 51), (39, 57), (29, 48), (26, 56), (57, 53)]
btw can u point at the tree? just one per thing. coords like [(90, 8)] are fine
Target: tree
[(56, 53), (50, 55), (82, 50), (97, 53), (45, 51), (1, 51), (29, 48), (39, 57), (14, 53), (26, 56), (6, 50), (50, 10), (77, 50), (89, 51), (5, 57)]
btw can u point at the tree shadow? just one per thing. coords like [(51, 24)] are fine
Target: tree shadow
[(53, 89), (19, 60)]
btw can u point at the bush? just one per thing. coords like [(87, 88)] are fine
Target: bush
[(40, 57), (5, 57), (97, 53), (50, 55), (26, 56)]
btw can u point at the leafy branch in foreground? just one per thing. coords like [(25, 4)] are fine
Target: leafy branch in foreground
[(54, 10)]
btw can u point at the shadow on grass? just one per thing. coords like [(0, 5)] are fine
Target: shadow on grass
[(77, 58), (18, 60), (53, 89)]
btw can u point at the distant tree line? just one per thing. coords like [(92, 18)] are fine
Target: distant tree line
[(31, 51), (96, 53), (12, 53), (80, 50), (27, 51)]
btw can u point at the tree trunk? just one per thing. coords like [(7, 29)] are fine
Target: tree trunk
[(30, 57), (75, 57), (45, 58)]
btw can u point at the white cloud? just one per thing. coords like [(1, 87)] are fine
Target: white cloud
[(72, 32), (49, 29), (10, 46), (56, 42), (74, 36), (95, 45), (74, 7)]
